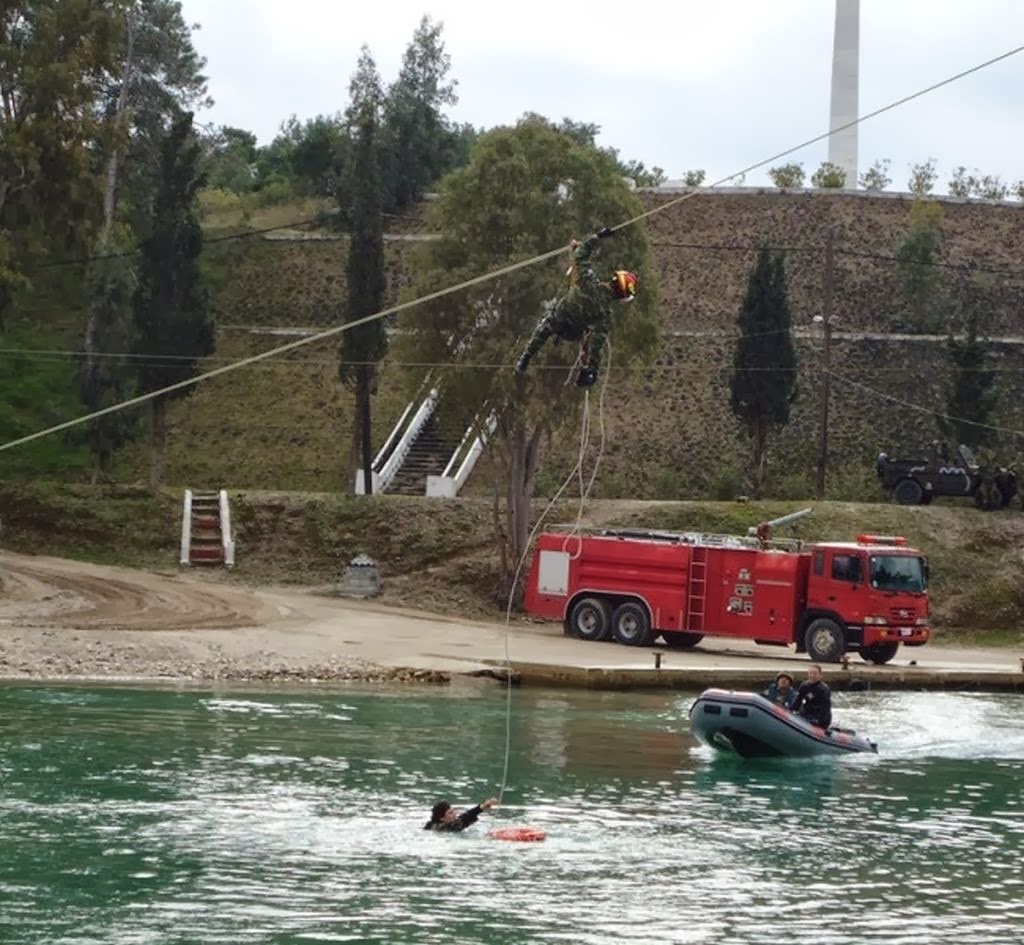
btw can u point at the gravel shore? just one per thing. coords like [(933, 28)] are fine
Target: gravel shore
[(63, 619), (54, 654)]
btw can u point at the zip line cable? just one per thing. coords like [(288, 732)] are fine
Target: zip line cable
[(273, 352), (485, 277), (836, 130)]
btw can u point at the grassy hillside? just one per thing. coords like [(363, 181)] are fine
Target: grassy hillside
[(439, 555), (670, 434), (285, 424)]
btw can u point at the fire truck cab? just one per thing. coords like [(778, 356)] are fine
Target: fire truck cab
[(825, 598)]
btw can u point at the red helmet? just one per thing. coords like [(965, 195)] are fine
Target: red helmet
[(624, 284)]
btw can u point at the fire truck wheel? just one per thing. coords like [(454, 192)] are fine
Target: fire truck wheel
[(681, 640), (878, 653), (826, 641), (588, 619), (631, 625), (908, 492)]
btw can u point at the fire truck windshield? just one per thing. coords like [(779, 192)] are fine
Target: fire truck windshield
[(898, 573)]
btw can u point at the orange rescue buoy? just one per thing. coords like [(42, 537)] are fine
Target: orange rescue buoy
[(526, 834)]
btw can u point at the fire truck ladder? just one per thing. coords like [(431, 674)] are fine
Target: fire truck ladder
[(698, 589)]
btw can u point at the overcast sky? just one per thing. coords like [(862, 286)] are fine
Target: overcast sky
[(713, 84)]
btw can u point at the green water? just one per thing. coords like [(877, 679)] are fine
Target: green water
[(153, 816)]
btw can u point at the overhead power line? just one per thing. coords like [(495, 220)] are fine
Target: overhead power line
[(495, 274)]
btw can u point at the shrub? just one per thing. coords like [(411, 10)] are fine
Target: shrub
[(829, 176), (787, 175), (876, 178), (725, 485)]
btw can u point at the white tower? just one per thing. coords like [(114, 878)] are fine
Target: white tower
[(842, 147)]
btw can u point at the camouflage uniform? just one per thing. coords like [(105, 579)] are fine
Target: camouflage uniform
[(586, 306), (989, 495)]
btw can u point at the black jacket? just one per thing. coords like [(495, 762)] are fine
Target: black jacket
[(466, 819), (814, 703)]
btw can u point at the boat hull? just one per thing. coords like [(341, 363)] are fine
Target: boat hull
[(751, 726)]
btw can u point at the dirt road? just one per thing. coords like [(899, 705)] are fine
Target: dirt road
[(61, 618)]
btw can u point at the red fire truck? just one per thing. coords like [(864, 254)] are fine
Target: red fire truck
[(869, 595)]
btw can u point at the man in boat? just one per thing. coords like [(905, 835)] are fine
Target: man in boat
[(814, 699), (444, 817), (584, 313), (781, 691)]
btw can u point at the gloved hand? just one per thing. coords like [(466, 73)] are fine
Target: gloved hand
[(587, 377), (605, 231)]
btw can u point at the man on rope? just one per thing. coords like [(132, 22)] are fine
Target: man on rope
[(584, 312), (444, 817)]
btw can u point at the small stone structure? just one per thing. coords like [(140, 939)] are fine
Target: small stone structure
[(362, 578)]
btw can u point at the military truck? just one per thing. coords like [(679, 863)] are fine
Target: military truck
[(917, 480)]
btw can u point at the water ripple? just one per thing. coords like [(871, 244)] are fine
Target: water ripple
[(131, 817)]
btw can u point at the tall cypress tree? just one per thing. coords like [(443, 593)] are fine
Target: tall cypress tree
[(764, 365), (172, 320), (970, 396), (362, 347)]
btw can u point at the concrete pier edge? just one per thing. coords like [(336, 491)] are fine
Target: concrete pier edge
[(861, 678)]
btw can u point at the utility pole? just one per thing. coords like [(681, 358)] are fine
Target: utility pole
[(825, 318), (364, 424)]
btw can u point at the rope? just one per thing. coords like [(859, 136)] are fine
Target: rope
[(585, 493), (584, 440), (486, 277)]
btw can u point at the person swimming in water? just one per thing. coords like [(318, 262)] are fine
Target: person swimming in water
[(444, 817)]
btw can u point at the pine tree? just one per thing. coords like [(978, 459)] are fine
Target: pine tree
[(173, 325), (971, 396), (764, 365), (420, 138), (362, 347)]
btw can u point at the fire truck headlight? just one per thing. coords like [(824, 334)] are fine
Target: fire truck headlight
[(921, 622), (875, 621)]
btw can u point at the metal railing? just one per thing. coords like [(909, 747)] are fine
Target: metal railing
[(186, 529), (226, 538), (447, 485), (401, 449)]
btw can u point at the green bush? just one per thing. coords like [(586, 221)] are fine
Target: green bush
[(853, 484), (37, 392), (725, 485), (610, 485), (214, 201), (793, 486), (272, 194), (668, 485)]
